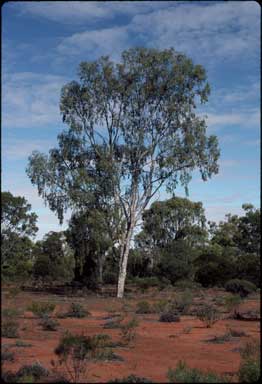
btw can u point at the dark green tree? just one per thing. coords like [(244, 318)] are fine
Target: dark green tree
[(17, 222), (53, 258), (133, 129)]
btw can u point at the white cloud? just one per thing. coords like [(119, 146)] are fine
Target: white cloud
[(31, 99), (77, 12), (245, 118), (17, 149), (108, 41)]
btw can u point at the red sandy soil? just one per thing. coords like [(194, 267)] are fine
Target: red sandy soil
[(157, 346)]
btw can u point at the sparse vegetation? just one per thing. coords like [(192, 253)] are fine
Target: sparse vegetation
[(131, 379), (9, 328), (183, 374), (232, 302), (250, 367), (169, 316), (6, 354), (143, 307), (128, 330), (41, 309), (241, 287), (35, 370), (77, 310), (49, 324), (208, 314)]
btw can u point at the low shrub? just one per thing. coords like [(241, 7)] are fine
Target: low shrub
[(107, 355), (143, 307), (128, 330), (9, 329), (131, 379), (113, 324), (232, 302), (242, 287), (10, 312), (183, 301), (250, 369), (208, 314), (22, 344), (77, 310), (160, 306), (147, 282), (7, 355), (220, 339), (41, 309), (49, 324), (187, 284), (35, 370), (184, 374), (73, 352), (170, 316)]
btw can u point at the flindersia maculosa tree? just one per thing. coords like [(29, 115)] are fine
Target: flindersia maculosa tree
[(133, 129)]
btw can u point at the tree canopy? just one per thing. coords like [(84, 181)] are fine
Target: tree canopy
[(133, 129)]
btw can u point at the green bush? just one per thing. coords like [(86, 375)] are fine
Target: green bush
[(131, 379), (147, 282), (128, 330), (10, 312), (22, 344), (184, 374), (143, 307), (208, 314), (41, 309), (9, 329), (170, 316), (77, 310), (36, 370), (250, 369), (7, 355), (231, 302), (242, 287), (183, 301), (48, 323), (160, 306), (187, 284)]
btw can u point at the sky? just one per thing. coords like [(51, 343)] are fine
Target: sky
[(44, 42)]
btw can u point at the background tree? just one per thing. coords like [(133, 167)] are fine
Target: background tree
[(18, 224), (53, 259), (135, 123)]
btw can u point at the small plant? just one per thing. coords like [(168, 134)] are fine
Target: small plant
[(160, 306), (107, 355), (143, 307), (7, 355), (41, 309), (74, 352), (131, 379), (232, 302), (113, 324), (183, 301), (22, 344), (250, 370), (187, 330), (208, 314), (77, 310), (221, 339), (10, 312), (242, 287), (35, 370), (128, 330), (9, 329), (184, 374), (169, 316), (49, 324)]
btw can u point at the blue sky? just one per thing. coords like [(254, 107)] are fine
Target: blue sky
[(43, 43)]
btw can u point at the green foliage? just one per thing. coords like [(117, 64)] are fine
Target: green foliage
[(49, 324), (250, 367), (128, 330), (188, 284), (131, 379), (160, 305), (7, 355), (22, 344), (143, 307), (107, 150), (36, 370), (9, 328), (183, 301), (146, 282), (41, 309), (53, 258), (208, 314), (10, 312), (169, 316), (241, 287), (214, 266), (77, 310), (113, 324), (232, 302), (184, 374)]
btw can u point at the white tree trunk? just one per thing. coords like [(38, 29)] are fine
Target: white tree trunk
[(123, 263)]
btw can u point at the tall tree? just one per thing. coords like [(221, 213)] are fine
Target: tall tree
[(133, 122)]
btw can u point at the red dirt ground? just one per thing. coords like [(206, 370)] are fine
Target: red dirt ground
[(157, 346)]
